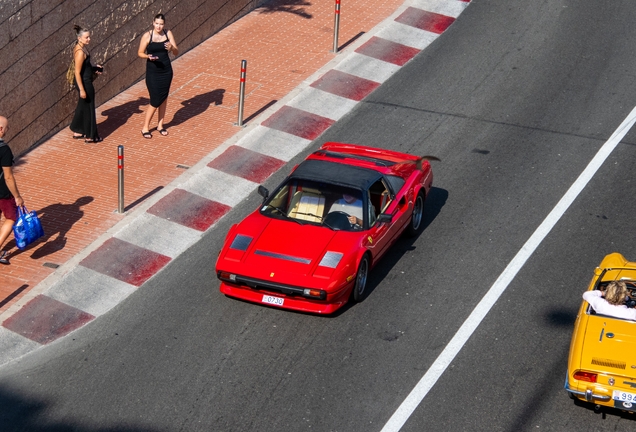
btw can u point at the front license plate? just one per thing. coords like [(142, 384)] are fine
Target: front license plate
[(624, 396), (276, 301)]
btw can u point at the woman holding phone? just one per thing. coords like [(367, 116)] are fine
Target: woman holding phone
[(84, 124), (155, 47)]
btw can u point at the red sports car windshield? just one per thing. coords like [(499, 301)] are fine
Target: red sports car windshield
[(306, 201)]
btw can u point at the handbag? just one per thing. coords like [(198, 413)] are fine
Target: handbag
[(27, 228), (70, 73)]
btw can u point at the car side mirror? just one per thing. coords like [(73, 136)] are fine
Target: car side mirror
[(262, 191), (385, 218)]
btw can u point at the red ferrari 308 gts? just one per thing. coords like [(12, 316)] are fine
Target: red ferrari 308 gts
[(310, 245)]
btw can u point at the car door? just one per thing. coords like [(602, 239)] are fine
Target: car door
[(380, 233), (401, 209)]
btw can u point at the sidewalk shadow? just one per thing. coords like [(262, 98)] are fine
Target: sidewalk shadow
[(27, 412), (291, 6), (119, 115), (142, 198), (13, 295), (195, 106), (56, 219), (350, 41), (269, 104)]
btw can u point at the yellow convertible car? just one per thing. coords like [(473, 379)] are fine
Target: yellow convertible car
[(602, 360)]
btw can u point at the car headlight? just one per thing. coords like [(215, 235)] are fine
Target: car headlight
[(241, 242), (328, 264), (236, 250), (331, 260)]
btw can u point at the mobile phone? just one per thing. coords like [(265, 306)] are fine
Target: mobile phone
[(99, 69)]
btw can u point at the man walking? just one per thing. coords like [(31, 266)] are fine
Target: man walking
[(10, 197)]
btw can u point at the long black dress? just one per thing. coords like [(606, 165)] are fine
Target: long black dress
[(84, 122), (158, 72)]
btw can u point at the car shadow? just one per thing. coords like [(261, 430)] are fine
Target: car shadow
[(435, 200), (561, 317)]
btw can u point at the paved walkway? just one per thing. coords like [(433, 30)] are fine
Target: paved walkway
[(178, 186), (73, 186)]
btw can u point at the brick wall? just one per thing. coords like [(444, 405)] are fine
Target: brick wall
[(36, 39)]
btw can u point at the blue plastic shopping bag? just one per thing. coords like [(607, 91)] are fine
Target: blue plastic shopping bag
[(27, 228)]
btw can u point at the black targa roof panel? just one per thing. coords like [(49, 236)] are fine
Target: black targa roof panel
[(336, 173)]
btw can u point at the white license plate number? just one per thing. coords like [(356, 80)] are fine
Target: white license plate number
[(624, 396), (276, 301)]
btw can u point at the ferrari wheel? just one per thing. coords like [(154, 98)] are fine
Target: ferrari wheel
[(416, 225), (361, 280)]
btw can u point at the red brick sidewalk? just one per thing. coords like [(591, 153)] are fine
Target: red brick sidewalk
[(73, 186)]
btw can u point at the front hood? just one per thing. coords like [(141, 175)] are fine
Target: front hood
[(290, 246), (610, 346), (286, 250)]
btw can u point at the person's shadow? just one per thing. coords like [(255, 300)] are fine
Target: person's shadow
[(196, 105), (119, 115), (57, 220)]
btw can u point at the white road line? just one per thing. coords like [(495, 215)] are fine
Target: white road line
[(436, 370)]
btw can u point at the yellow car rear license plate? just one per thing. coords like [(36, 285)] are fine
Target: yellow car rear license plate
[(624, 396), (277, 301)]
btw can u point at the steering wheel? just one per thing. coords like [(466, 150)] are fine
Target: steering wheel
[(337, 220)]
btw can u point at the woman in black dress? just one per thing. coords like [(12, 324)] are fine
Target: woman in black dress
[(84, 124), (155, 47)]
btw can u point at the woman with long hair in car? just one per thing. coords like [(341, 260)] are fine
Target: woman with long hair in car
[(612, 301)]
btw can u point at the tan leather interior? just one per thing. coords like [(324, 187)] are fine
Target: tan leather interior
[(307, 205)]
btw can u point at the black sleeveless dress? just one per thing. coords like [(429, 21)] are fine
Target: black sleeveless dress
[(84, 121), (158, 72)]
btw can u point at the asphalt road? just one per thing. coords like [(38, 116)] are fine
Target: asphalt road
[(515, 98)]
